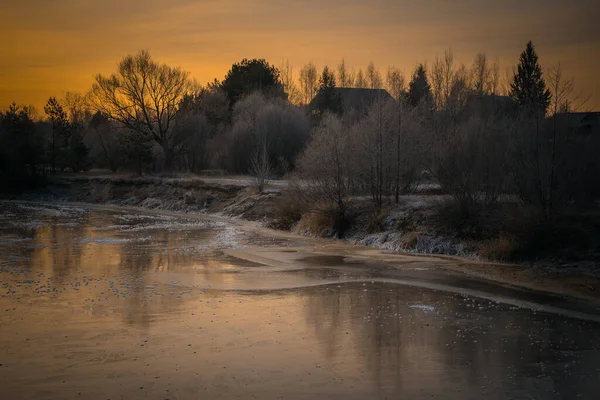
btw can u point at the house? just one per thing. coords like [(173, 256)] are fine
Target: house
[(356, 99), (489, 103), (581, 123)]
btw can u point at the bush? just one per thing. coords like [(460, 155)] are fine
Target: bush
[(324, 221), (376, 222), (287, 211), (474, 222)]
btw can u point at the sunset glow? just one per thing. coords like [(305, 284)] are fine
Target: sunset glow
[(51, 47)]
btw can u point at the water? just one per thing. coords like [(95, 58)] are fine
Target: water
[(114, 304)]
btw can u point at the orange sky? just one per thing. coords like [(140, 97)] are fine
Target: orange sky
[(49, 47)]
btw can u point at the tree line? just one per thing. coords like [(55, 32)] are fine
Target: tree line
[(448, 123)]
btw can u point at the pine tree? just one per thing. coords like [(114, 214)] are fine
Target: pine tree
[(66, 148), (328, 99), (528, 89), (418, 88), (61, 134)]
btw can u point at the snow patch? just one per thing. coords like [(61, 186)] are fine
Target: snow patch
[(423, 307), (103, 240)]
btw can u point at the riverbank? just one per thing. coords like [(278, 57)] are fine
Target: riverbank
[(235, 198)]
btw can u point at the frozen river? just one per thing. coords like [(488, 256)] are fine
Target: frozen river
[(118, 304)]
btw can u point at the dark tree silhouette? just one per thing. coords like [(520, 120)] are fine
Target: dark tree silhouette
[(137, 148), (328, 100), (61, 134), (418, 88), (528, 88), (66, 147), (21, 145), (249, 76)]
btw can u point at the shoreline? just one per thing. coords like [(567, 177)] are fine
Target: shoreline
[(513, 277)]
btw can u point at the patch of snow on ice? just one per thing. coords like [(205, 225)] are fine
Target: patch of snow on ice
[(102, 240), (423, 307)]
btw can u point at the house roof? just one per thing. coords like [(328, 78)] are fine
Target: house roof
[(583, 122), (355, 98)]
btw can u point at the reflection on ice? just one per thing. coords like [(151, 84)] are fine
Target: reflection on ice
[(112, 304)]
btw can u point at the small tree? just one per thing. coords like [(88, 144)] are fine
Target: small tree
[(328, 99), (308, 82), (137, 148), (326, 164), (374, 77), (361, 81), (21, 145), (260, 166), (418, 88), (394, 81), (109, 152), (61, 133), (343, 77), (528, 88)]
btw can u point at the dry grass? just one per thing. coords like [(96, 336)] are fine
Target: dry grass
[(317, 223), (376, 223), (501, 248), (287, 211)]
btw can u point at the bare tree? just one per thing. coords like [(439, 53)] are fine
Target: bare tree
[(442, 78), (260, 166), (360, 81), (308, 82), (495, 77), (351, 78), (143, 96), (106, 147), (395, 83), (562, 98), (342, 75), (77, 107), (289, 85), (326, 163), (481, 75), (374, 77)]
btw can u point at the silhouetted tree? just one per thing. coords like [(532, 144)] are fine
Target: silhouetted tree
[(144, 96), (289, 85), (109, 153), (21, 145), (360, 81), (395, 82), (308, 82), (66, 148), (374, 80), (418, 88), (137, 148), (61, 133), (343, 77), (249, 76), (528, 88), (328, 99)]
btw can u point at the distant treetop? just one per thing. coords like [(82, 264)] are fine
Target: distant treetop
[(249, 76)]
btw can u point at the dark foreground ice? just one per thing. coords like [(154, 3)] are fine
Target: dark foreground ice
[(113, 304)]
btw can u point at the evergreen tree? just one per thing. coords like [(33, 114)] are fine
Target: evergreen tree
[(528, 89), (21, 145), (66, 148), (59, 141), (328, 98), (418, 88)]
